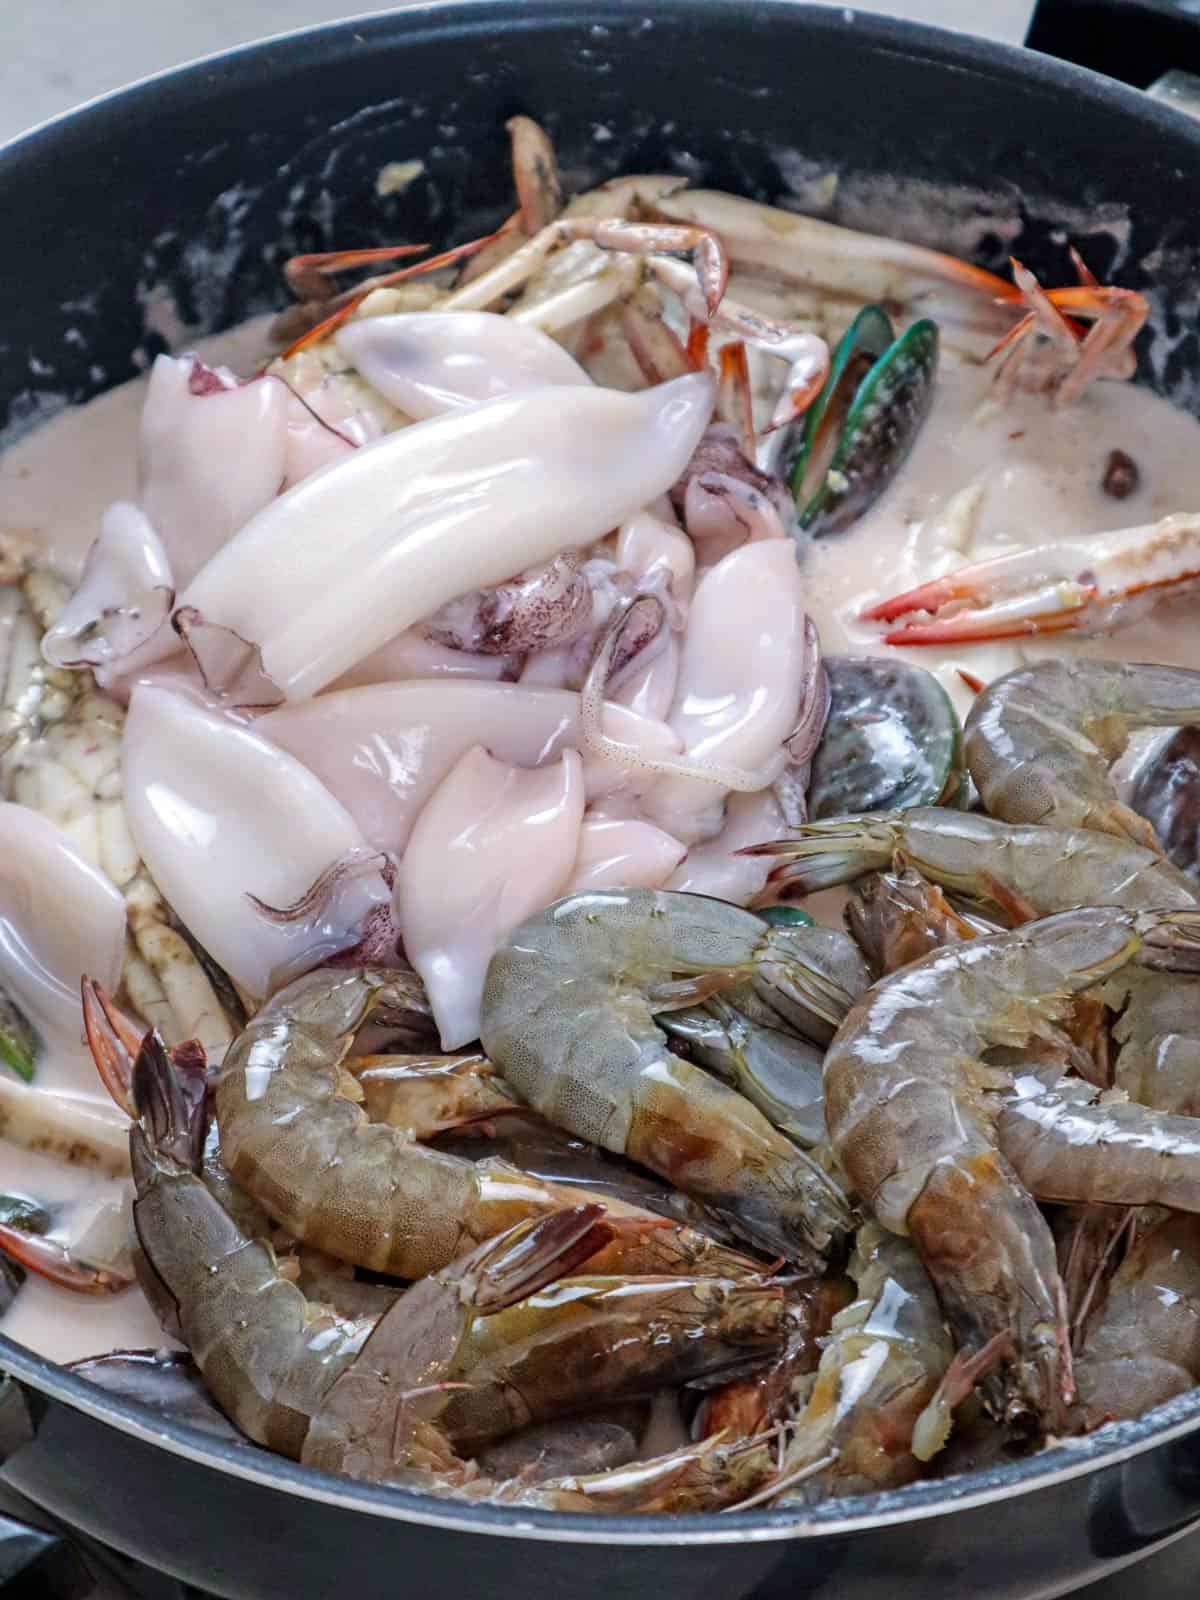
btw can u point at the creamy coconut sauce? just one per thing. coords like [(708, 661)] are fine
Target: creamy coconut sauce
[(985, 478)]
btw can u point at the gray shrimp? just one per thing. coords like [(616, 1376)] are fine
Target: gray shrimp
[(927, 1130), (311, 1385), (569, 1018), (1023, 871), (898, 917), (1143, 1346), (295, 1137), (876, 1405), (1039, 741)]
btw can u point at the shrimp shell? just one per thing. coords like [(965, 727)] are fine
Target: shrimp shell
[(1039, 741), (568, 1017)]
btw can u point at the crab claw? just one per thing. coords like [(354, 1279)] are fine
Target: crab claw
[(1049, 588), (54, 1262)]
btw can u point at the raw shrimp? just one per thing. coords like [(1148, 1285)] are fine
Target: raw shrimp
[(1024, 871), (294, 1136), (773, 1396), (761, 1041), (596, 1339), (295, 1139), (998, 865), (775, 1070), (1144, 1344), (886, 1356), (898, 917), (568, 1017), (1039, 741), (268, 1356), (918, 1119)]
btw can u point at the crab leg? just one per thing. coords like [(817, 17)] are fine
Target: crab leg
[(308, 276), (1103, 351), (709, 264), (345, 305), (734, 402), (831, 260), (1048, 589)]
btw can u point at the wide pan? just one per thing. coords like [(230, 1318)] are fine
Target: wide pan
[(199, 183)]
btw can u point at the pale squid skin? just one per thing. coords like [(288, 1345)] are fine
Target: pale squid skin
[(646, 544), (459, 502), (412, 654), (430, 362), (740, 677), (493, 844), (313, 443), (383, 749), (195, 780), (208, 461), (617, 852), (43, 953), (122, 598), (715, 867)]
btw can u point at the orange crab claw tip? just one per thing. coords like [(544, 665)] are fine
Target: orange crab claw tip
[(323, 329), (1084, 272), (925, 597)]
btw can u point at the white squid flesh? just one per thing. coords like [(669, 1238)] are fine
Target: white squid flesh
[(213, 453), (429, 362), (494, 844), (124, 595), (362, 550), (615, 853), (382, 750), (61, 919), (218, 814), (740, 680)]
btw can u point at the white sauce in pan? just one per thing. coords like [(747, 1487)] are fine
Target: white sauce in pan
[(984, 478), (988, 477)]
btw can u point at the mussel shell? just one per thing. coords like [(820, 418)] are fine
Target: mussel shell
[(892, 740), (881, 427), (1166, 791), (864, 341), (20, 1043), (168, 1381), (16, 1211)]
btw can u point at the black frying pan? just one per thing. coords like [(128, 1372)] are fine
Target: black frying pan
[(205, 179)]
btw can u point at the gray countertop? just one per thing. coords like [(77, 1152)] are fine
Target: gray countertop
[(58, 53)]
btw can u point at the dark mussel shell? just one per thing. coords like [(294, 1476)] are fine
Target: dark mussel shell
[(892, 740)]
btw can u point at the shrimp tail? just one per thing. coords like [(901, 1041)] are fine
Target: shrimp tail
[(169, 1104), (819, 855), (535, 1253)]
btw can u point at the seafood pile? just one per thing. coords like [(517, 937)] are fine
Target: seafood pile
[(437, 749)]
